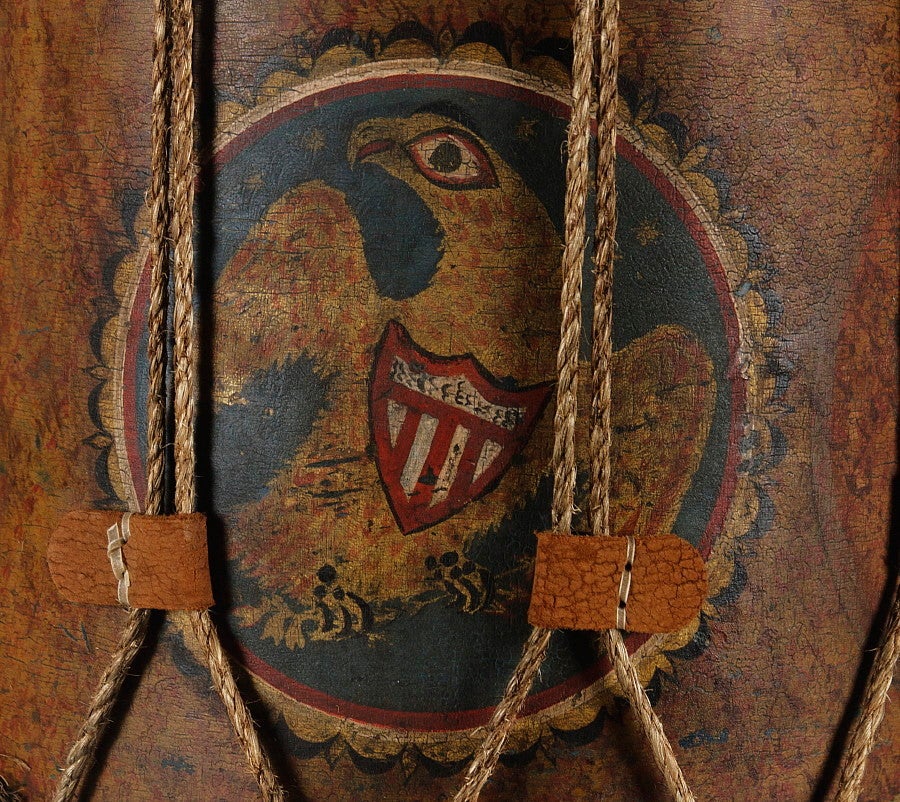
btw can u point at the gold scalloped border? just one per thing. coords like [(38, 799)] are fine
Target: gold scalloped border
[(345, 63)]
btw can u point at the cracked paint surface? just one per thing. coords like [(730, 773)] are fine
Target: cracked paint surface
[(797, 100)]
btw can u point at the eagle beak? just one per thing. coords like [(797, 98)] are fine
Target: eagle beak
[(369, 139), (371, 148)]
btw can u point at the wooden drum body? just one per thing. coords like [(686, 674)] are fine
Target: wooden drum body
[(380, 207)]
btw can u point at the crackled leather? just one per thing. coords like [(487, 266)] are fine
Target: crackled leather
[(166, 557), (578, 581)]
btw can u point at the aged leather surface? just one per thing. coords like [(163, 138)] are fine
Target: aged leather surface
[(577, 579), (166, 558), (799, 101)]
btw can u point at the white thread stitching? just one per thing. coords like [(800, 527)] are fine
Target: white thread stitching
[(625, 583), (117, 536)]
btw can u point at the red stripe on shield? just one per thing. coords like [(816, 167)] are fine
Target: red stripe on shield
[(444, 428)]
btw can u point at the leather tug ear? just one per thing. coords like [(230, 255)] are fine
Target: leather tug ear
[(148, 561), (640, 584)]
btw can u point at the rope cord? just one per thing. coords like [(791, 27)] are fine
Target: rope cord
[(601, 381), (171, 200), (564, 465), (865, 726), (185, 377), (583, 36), (83, 753), (484, 761)]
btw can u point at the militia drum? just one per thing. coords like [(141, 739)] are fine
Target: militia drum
[(380, 208)]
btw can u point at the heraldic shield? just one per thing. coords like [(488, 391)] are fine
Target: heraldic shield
[(444, 429)]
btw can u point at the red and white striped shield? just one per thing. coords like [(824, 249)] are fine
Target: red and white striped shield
[(444, 428)]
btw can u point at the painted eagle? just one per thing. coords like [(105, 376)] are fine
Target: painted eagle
[(384, 356)]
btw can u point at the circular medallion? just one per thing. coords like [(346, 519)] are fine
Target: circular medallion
[(379, 305)]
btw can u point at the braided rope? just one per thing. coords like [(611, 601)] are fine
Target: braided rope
[(498, 728), (871, 712), (577, 185), (171, 199), (83, 752), (604, 252), (601, 380), (157, 313), (185, 378), (564, 464), (171, 212), (181, 228)]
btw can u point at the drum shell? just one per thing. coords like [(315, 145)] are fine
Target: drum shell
[(798, 104)]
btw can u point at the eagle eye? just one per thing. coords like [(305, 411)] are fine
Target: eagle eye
[(452, 159)]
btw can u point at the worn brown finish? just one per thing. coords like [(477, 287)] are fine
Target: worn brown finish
[(577, 583), (166, 557), (799, 101)]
